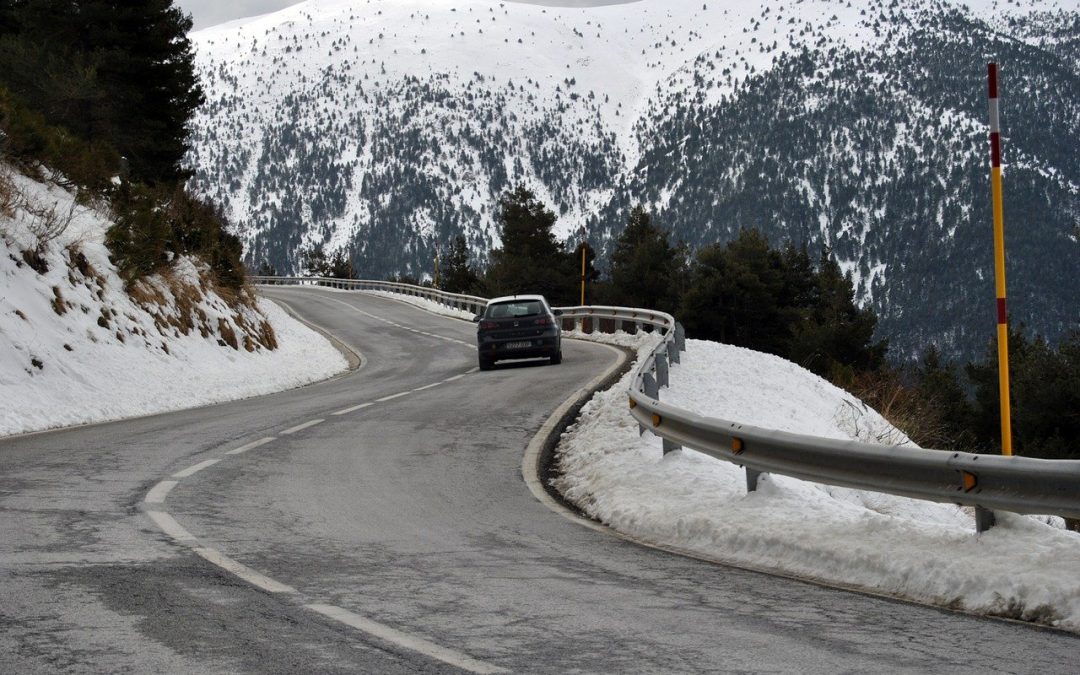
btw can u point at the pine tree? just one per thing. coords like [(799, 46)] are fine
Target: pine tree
[(313, 262), (530, 259), (108, 71), (735, 293), (837, 338), (938, 386), (457, 275), (1045, 396), (646, 270)]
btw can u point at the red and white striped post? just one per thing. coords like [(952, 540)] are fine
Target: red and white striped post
[(999, 261), (984, 518)]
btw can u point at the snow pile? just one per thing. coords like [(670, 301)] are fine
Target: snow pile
[(429, 305), (1022, 568), (76, 348)]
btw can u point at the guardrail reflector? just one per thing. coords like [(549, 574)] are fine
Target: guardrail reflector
[(633, 404), (656, 419), (970, 481), (736, 445)]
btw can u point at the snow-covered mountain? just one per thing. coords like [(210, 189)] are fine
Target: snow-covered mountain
[(388, 127)]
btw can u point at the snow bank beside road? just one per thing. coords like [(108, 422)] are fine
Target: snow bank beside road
[(76, 348), (919, 550)]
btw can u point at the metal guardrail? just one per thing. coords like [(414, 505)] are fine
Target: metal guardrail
[(987, 482), (469, 303)]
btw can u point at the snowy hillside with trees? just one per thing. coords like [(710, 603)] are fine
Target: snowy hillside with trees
[(386, 129), (79, 345)]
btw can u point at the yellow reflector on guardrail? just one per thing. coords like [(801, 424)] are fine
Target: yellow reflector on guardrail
[(970, 481)]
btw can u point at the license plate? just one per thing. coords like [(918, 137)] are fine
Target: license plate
[(518, 345)]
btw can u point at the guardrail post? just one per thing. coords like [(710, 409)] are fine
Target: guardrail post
[(672, 352), (671, 446), (751, 479), (984, 519), (651, 390), (680, 337), (661, 370)]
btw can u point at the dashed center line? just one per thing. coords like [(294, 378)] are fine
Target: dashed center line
[(192, 470), (250, 446), (170, 527), (243, 571), (354, 408), (388, 322), (167, 524), (158, 492), (301, 427), (384, 632)]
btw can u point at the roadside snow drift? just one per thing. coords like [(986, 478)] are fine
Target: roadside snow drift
[(1024, 567), (76, 348)]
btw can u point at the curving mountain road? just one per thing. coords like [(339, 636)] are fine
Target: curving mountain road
[(378, 522)]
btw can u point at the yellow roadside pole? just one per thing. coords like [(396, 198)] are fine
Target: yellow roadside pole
[(584, 249), (984, 518), (583, 274), (999, 262), (437, 281)]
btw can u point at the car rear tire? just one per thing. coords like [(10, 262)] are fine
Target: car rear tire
[(556, 359), (486, 364)]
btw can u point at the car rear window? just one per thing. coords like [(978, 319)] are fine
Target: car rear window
[(506, 310)]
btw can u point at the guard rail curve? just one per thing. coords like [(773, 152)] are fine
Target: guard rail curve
[(987, 482)]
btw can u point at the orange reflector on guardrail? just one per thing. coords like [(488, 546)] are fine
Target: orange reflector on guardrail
[(736, 445), (656, 419), (970, 481), (633, 403)]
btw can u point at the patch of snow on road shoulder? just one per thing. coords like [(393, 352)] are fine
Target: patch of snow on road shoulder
[(424, 303), (923, 551)]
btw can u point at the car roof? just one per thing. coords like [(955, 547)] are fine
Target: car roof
[(512, 298)]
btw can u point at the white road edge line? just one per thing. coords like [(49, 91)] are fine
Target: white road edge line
[(429, 386), (243, 571), (413, 643), (301, 427), (530, 469), (170, 527), (250, 446), (158, 492), (392, 396), (192, 470), (456, 377), (354, 408)]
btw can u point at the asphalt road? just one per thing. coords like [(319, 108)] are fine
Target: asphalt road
[(399, 536)]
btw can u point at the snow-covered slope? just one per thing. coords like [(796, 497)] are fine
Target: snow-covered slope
[(386, 128), (75, 347), (1023, 568)]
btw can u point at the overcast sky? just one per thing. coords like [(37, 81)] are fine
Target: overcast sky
[(210, 12)]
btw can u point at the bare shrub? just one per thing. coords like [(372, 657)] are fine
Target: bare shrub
[(919, 419), (48, 222), (225, 330), (10, 198), (58, 304)]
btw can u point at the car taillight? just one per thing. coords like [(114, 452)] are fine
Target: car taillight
[(543, 321), (488, 325)]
